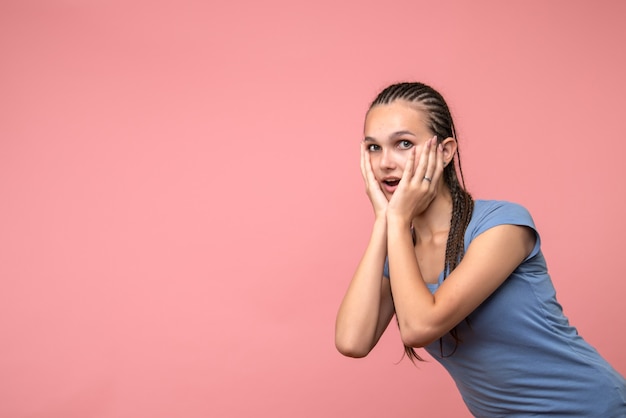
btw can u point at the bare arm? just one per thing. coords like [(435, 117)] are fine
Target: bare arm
[(367, 306), (490, 259)]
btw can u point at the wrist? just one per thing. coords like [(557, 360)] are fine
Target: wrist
[(396, 221), (380, 224)]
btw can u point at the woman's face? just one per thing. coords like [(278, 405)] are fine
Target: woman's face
[(391, 131)]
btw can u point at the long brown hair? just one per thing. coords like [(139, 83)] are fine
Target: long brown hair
[(439, 119)]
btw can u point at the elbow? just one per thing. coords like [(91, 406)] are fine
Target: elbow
[(352, 348), (418, 337)]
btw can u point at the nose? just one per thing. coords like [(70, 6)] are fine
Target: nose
[(387, 160)]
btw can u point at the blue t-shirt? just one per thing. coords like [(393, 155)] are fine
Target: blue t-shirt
[(519, 356)]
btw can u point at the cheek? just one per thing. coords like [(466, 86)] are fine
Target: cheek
[(403, 158), (375, 163)]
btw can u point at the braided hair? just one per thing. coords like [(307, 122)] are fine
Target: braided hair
[(439, 120)]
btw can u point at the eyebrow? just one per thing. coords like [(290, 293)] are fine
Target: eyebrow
[(393, 135)]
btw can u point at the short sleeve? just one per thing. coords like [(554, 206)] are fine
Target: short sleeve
[(490, 213)]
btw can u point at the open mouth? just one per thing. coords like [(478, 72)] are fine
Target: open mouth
[(391, 182)]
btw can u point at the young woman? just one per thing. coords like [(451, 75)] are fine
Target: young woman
[(466, 279)]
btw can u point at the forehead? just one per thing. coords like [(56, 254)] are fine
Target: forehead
[(395, 116)]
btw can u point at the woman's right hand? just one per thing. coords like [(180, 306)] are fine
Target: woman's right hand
[(372, 187)]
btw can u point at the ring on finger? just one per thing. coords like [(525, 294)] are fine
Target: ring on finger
[(428, 179)]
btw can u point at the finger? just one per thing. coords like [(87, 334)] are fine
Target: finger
[(362, 163), (432, 160), (366, 165), (420, 171), (439, 165), (408, 167), (438, 172), (368, 174)]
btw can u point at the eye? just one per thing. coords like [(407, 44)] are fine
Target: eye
[(405, 144), (373, 147)]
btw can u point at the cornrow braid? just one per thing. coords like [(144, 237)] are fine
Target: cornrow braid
[(439, 120)]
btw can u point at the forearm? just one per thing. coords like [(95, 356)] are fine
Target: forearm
[(357, 327), (414, 303)]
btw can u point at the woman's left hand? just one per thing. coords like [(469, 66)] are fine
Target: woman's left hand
[(419, 183)]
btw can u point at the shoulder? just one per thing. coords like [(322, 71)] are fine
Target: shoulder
[(489, 213)]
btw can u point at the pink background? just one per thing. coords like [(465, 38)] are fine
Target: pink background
[(182, 207)]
